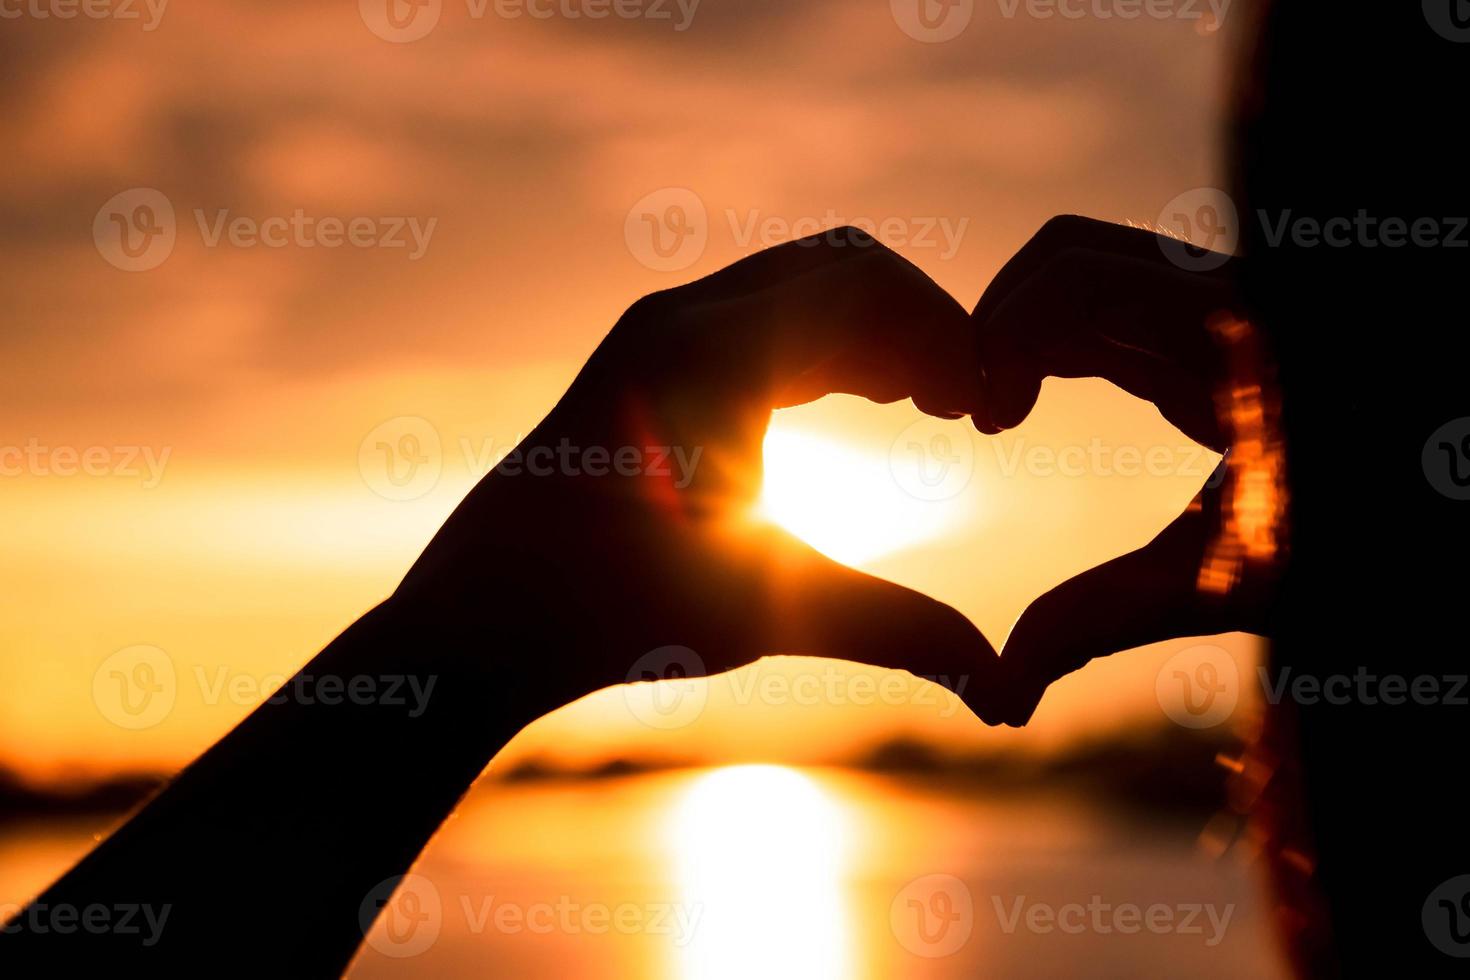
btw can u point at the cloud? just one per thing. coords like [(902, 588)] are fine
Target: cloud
[(525, 140)]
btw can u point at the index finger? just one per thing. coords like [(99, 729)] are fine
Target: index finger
[(867, 323)]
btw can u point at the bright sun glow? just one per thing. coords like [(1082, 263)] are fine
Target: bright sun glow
[(760, 853), (847, 503)]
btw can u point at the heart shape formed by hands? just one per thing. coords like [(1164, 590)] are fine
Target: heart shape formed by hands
[(1087, 298), (654, 563)]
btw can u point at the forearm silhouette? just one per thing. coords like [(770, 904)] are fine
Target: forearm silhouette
[(537, 591)]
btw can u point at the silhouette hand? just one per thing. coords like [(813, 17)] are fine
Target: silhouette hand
[(1090, 299), (609, 562)]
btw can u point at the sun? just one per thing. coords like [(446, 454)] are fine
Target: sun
[(843, 500)]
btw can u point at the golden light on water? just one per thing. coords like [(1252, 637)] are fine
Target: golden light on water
[(760, 853), (842, 500)]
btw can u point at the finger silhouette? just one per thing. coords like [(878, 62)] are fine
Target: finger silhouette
[(1090, 299), (842, 314), (706, 363), (1146, 596), (820, 607), (701, 367)]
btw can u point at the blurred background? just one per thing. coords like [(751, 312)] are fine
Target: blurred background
[(285, 280)]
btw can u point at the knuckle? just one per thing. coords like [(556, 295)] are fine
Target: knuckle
[(1059, 231), (653, 309), (1065, 223), (850, 241), (852, 236)]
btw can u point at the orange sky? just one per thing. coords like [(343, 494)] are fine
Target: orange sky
[(251, 374)]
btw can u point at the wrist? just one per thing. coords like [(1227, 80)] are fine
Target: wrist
[(497, 655)]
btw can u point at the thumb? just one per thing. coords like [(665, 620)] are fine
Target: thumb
[(1010, 382), (823, 608)]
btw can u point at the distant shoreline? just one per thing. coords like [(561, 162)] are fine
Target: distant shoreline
[(1163, 770)]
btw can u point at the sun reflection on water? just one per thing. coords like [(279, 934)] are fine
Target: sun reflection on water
[(760, 854)]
